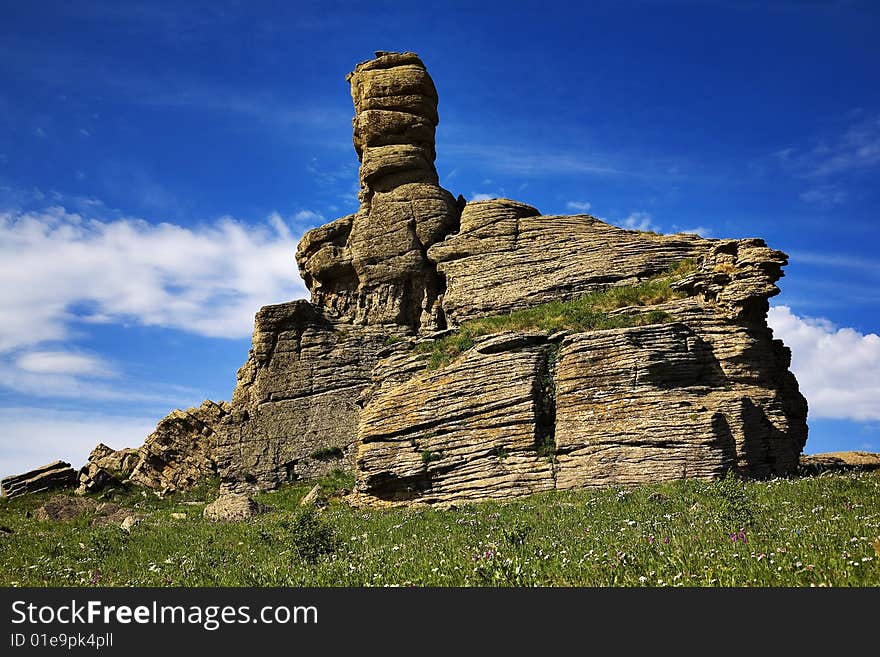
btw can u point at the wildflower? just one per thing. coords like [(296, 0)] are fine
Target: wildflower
[(665, 540), (96, 576), (650, 539)]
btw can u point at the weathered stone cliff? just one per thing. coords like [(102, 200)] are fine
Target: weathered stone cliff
[(703, 391), (293, 414), (688, 384)]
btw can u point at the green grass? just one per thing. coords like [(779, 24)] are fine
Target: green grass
[(817, 530), (587, 313)]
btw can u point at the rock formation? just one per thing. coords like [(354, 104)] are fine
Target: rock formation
[(57, 474), (64, 508), (840, 462), (372, 267), (178, 454), (688, 384), (233, 507), (107, 467)]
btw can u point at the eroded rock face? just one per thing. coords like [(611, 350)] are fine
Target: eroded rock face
[(107, 467), (293, 414), (178, 454), (372, 267), (705, 392), (182, 449), (467, 431), (57, 474), (508, 256)]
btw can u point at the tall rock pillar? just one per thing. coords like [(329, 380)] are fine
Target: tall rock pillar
[(372, 267)]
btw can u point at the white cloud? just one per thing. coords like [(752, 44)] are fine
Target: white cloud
[(208, 280), (638, 221), (36, 436), (309, 217), (63, 362), (702, 231), (580, 206), (837, 368), (482, 197)]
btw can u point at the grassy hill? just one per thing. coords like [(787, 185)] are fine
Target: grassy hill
[(818, 530)]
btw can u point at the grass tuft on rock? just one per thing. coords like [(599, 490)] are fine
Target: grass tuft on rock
[(591, 312)]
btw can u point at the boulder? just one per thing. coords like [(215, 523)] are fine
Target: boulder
[(55, 475), (839, 462), (178, 454), (107, 467), (233, 507), (314, 497), (62, 508)]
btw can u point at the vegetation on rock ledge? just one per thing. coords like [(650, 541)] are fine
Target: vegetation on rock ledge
[(593, 311)]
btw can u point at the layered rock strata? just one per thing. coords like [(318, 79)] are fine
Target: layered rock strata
[(293, 414), (178, 454), (703, 393), (372, 267), (57, 474), (699, 388)]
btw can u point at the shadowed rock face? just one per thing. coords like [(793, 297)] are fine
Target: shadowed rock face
[(57, 474), (372, 267), (293, 413), (336, 381)]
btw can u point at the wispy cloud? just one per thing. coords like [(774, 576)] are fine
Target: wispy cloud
[(837, 260), (824, 196), (835, 367), (512, 160), (637, 221), (64, 362), (579, 206), (308, 218), (90, 387), (855, 149)]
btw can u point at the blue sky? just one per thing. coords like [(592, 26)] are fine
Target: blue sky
[(159, 161)]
